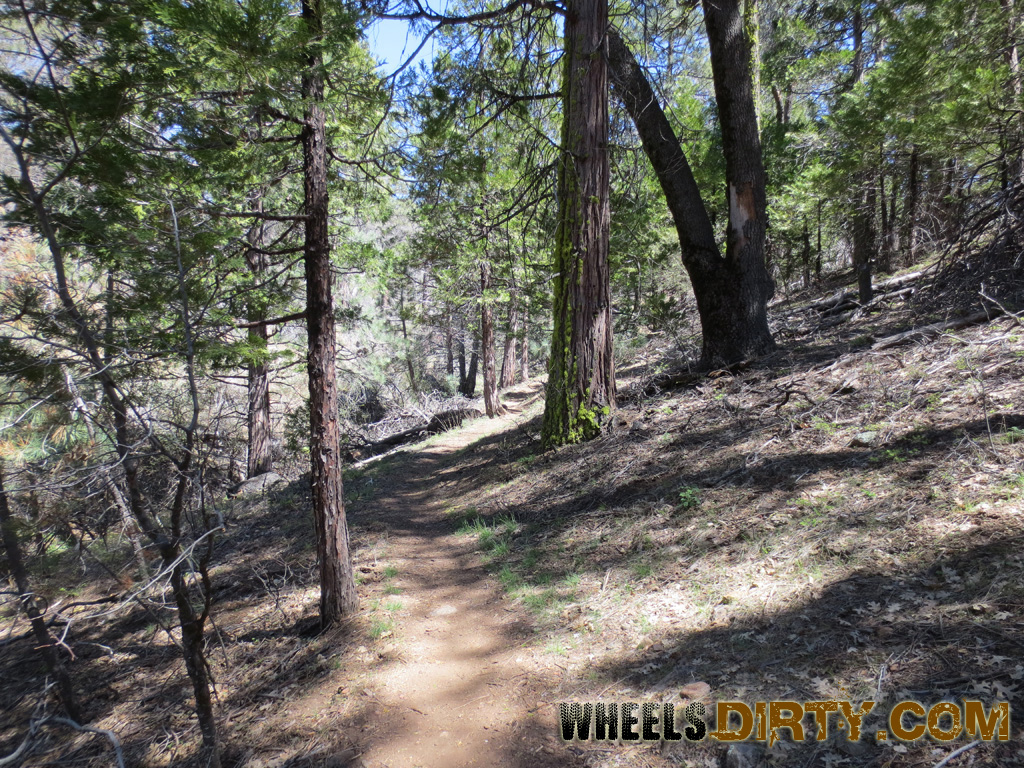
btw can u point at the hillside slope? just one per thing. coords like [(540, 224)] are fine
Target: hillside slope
[(833, 522)]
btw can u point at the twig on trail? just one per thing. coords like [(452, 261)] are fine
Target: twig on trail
[(604, 690), (35, 725), (465, 703), (882, 668), (1003, 635), (956, 753), (1012, 315)]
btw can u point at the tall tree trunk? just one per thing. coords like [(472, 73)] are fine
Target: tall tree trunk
[(474, 363), (581, 373), (1015, 87), (817, 260), (337, 583), (913, 203), (259, 459), (884, 241), (492, 403), (732, 293), (858, 46), (462, 364), (45, 643), (732, 61), (449, 352), (524, 355), (752, 32), (864, 238), (864, 204), (409, 366), (805, 255), (508, 356)]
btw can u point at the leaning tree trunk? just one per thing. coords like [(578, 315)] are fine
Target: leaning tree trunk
[(45, 643), (337, 583), (581, 373), (258, 413), (732, 293), (491, 401)]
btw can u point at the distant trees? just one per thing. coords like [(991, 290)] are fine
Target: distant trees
[(483, 190)]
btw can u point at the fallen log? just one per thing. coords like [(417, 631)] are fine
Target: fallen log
[(683, 379), (936, 329), (843, 301), (439, 422)]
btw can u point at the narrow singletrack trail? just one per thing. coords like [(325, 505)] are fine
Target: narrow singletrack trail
[(465, 688)]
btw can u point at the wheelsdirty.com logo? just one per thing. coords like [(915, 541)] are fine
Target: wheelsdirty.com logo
[(738, 721)]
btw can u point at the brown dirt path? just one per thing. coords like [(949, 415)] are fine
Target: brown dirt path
[(466, 689)]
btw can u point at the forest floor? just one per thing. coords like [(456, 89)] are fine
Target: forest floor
[(831, 522)]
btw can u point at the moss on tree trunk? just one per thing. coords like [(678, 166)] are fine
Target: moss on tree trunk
[(581, 373)]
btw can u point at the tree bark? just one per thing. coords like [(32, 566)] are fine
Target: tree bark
[(462, 363), (581, 373), (524, 355), (913, 204), (1014, 129), (449, 367), (732, 293), (858, 46), (805, 255), (817, 259), (864, 204), (884, 262), (474, 364), (864, 238), (45, 643), (409, 365), (259, 458), (508, 357), (337, 583), (492, 403)]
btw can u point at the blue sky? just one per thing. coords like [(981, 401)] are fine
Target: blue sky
[(393, 42)]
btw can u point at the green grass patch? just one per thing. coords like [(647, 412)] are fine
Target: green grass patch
[(381, 627)]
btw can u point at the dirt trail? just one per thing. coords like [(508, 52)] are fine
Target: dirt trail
[(465, 690)]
